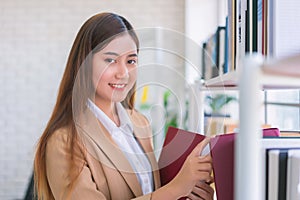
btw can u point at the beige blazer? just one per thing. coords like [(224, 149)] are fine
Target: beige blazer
[(106, 173)]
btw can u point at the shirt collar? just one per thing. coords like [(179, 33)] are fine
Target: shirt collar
[(125, 122)]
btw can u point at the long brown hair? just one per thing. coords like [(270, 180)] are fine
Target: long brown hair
[(94, 34)]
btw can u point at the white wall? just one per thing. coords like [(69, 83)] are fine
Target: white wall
[(35, 39), (201, 20)]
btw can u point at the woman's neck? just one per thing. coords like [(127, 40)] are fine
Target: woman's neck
[(109, 108)]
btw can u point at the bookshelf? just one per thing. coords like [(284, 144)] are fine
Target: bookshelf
[(229, 80), (253, 26), (256, 74)]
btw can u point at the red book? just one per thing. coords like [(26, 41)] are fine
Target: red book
[(222, 153), (177, 146), (180, 143)]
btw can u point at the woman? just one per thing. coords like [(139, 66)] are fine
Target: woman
[(93, 146)]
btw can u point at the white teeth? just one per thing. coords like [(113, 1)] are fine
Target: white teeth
[(118, 85)]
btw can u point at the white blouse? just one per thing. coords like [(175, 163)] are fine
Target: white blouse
[(123, 136)]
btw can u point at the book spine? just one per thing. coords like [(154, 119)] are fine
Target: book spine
[(273, 172), (254, 24), (225, 70), (293, 177), (283, 157)]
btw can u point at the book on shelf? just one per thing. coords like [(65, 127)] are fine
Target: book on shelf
[(210, 58), (281, 144), (220, 34), (203, 57), (283, 173), (293, 175), (276, 168), (259, 42), (213, 54), (254, 24), (264, 26), (269, 27), (241, 30), (272, 175), (226, 65), (232, 27), (283, 27)]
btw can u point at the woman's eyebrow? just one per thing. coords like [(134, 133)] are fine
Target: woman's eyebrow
[(116, 54), (111, 53), (133, 55)]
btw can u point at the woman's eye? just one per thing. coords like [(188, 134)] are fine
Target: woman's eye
[(110, 60), (131, 61)]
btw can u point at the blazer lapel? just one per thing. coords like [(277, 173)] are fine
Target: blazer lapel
[(146, 145), (143, 133), (100, 144)]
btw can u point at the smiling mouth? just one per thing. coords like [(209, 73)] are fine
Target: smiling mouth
[(118, 86)]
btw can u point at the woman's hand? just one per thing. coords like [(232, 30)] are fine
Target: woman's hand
[(196, 168), (202, 191)]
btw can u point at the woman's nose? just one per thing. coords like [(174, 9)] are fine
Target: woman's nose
[(122, 71)]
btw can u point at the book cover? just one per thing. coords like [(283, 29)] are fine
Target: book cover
[(277, 173), (283, 157), (222, 152), (177, 146), (254, 24), (220, 49), (283, 28), (241, 31), (275, 143), (232, 28), (293, 176), (260, 26), (273, 173), (226, 67)]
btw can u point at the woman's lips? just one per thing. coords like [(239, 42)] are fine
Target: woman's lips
[(117, 86)]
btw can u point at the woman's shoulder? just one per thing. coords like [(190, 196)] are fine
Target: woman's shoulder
[(141, 125), (137, 117), (63, 141), (60, 135)]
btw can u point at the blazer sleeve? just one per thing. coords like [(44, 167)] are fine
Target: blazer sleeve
[(58, 159)]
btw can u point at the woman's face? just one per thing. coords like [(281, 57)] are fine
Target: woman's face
[(114, 69)]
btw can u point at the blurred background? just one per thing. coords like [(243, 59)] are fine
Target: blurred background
[(35, 39)]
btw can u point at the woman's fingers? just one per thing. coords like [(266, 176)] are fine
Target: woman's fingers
[(201, 163), (199, 148), (204, 176), (203, 190), (205, 186), (200, 167), (193, 196)]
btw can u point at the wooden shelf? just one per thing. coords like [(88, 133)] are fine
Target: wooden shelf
[(277, 74), (229, 79), (284, 73), (289, 67)]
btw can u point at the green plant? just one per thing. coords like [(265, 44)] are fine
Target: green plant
[(218, 101), (171, 116)]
